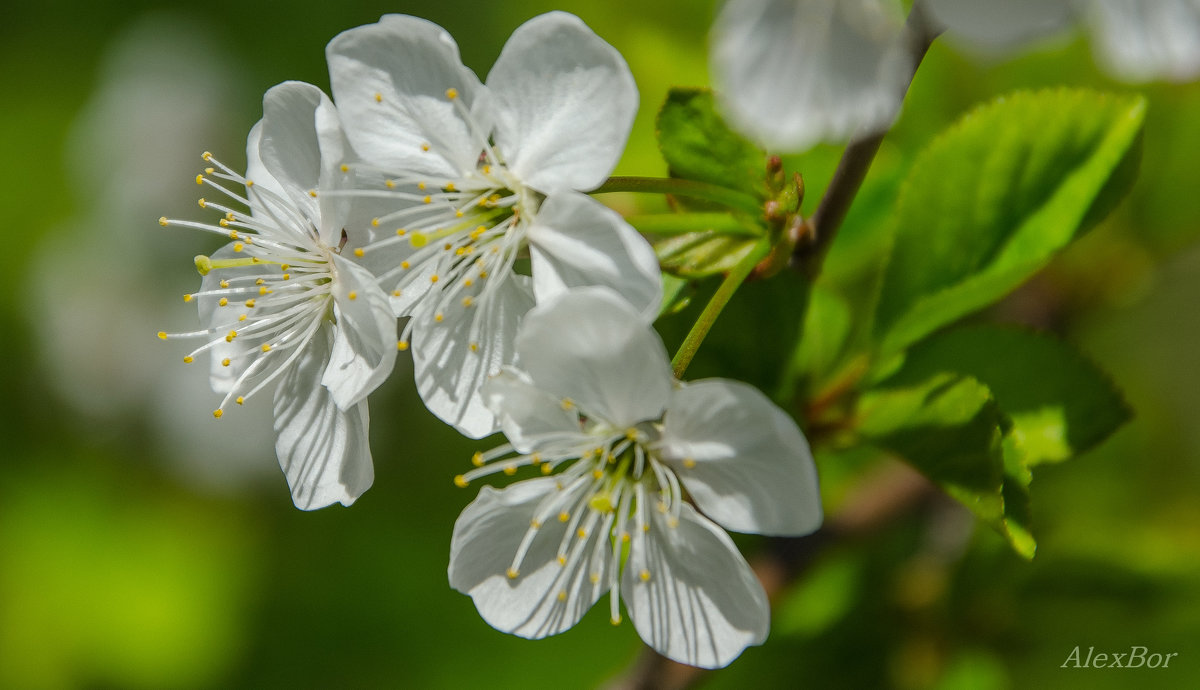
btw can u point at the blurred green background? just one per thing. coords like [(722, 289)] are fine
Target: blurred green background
[(144, 545)]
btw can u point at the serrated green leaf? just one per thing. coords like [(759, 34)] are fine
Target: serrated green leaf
[(993, 198), (949, 427), (698, 145), (1060, 403)]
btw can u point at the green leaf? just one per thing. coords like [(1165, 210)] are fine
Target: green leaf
[(700, 254), (949, 427), (677, 295), (992, 200), (826, 327), (698, 145), (1059, 402)]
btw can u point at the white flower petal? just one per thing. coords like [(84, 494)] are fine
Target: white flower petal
[(302, 146), (991, 26), (546, 598), (323, 450), (390, 81), (743, 460), (591, 347), (364, 347), (1144, 40), (529, 416), (691, 595), (448, 372), (256, 170), (792, 73), (565, 103), (575, 241)]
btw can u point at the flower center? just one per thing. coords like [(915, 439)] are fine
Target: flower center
[(263, 298)]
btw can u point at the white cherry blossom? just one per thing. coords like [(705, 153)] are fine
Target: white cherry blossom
[(794, 73), (282, 308), (593, 405), (479, 176)]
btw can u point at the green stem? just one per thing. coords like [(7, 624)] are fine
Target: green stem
[(683, 223), (728, 198), (712, 310)]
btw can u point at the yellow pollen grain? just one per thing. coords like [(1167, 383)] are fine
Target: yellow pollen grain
[(259, 281), (390, 184), (287, 276), (644, 575), (460, 251), (402, 345), (597, 474), (187, 298), (646, 527), (564, 516), (359, 252), (581, 533), (477, 459), (162, 335), (224, 222), (206, 156), (250, 304), (474, 347), (217, 413), (534, 524), (353, 295), (510, 470), (240, 400), (224, 283), (451, 93), (460, 481), (420, 185), (200, 179), (249, 183), (482, 275), (404, 265), (468, 282), (225, 362), (242, 317), (266, 347), (689, 463), (424, 147), (450, 187), (433, 278), (378, 97), (263, 290), (202, 202), (468, 301), (375, 222), (188, 360), (512, 573), (312, 193), (625, 537), (562, 560), (458, 213), (594, 577), (345, 168), (401, 232), (487, 170), (233, 234), (428, 199), (547, 469), (568, 404), (238, 247), (562, 595), (162, 220), (230, 336), (395, 293), (438, 317), (284, 267), (222, 302)]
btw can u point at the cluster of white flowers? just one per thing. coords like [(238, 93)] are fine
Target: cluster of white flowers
[(391, 219)]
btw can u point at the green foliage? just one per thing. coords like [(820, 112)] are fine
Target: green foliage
[(992, 199), (701, 254)]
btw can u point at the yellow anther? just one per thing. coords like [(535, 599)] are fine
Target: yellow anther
[(534, 524), (564, 516), (428, 199), (359, 252), (615, 621), (284, 267), (217, 413), (458, 213), (238, 246), (468, 301), (631, 434), (345, 168), (477, 459), (224, 222), (250, 304), (162, 335), (689, 463), (474, 347), (188, 360), (547, 469), (644, 575), (202, 202), (263, 290), (451, 93), (225, 362), (200, 179), (438, 317), (421, 185), (568, 404), (512, 573), (562, 560), (468, 282), (597, 474), (187, 298), (460, 251), (401, 232), (672, 523), (249, 183), (240, 400), (230, 336), (209, 171), (375, 222), (448, 246), (266, 347), (312, 193), (510, 470), (390, 184), (259, 281), (395, 293), (352, 295), (581, 533), (162, 220), (402, 345), (625, 537), (460, 481), (646, 527), (241, 317), (378, 97), (594, 577), (482, 275), (433, 278), (233, 235), (287, 276), (206, 156), (223, 302), (424, 147), (487, 170), (562, 595), (450, 187)]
